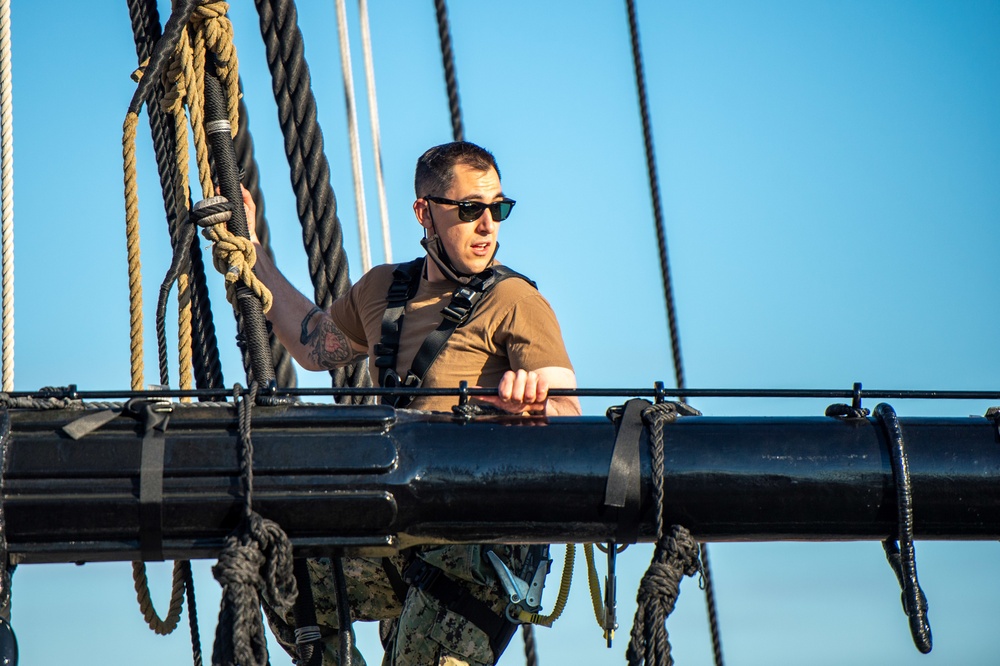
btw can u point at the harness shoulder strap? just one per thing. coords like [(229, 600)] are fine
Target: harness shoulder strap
[(405, 282), (464, 302)]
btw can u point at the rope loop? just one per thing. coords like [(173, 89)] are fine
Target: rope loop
[(901, 555), (676, 556), (232, 255), (256, 560)]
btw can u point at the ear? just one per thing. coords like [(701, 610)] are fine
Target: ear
[(420, 207)]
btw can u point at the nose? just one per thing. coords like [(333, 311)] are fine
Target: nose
[(485, 223)]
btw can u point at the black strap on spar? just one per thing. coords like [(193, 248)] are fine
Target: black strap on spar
[(464, 301)]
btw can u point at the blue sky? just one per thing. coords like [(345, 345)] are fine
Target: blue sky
[(830, 175)]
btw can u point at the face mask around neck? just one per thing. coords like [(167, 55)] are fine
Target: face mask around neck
[(436, 252)]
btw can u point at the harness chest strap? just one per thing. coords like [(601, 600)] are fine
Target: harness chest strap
[(464, 301)]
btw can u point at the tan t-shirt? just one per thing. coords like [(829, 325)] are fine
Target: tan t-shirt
[(513, 328)]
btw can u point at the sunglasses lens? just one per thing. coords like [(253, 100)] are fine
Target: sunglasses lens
[(501, 210), (470, 211)]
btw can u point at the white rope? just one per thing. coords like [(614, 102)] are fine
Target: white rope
[(352, 130), (7, 197), (366, 43)]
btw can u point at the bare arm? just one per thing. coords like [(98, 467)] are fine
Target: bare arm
[(306, 331)]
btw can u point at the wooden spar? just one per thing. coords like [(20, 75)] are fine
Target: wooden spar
[(370, 479)]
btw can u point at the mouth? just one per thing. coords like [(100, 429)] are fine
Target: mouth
[(481, 249)]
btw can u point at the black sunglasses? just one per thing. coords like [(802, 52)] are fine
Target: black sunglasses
[(470, 211)]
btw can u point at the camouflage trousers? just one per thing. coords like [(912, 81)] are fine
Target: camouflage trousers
[(419, 631)]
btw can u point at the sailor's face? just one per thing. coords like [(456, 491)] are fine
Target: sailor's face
[(470, 245)]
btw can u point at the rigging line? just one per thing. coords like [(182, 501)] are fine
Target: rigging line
[(668, 290), (7, 196), (448, 59), (366, 43), (654, 188), (352, 130)]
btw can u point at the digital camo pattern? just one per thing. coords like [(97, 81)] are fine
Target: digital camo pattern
[(419, 632)]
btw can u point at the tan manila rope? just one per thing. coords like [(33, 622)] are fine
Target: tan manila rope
[(7, 196), (209, 30)]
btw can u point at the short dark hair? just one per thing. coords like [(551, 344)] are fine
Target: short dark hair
[(435, 167)]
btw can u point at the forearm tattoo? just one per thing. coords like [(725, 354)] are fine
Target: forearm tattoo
[(327, 346)]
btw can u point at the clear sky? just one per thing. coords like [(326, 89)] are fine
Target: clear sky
[(831, 185)]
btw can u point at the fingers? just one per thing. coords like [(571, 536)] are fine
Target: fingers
[(250, 210), (522, 391)]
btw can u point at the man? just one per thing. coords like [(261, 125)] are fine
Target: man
[(511, 341)]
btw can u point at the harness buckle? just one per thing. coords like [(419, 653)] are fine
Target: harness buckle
[(421, 575), (461, 303)]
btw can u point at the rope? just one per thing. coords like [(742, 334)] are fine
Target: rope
[(675, 556), (310, 172), (668, 289), (232, 255), (284, 370), (654, 189), (169, 622), (448, 60), (256, 558), (366, 44), (205, 352), (133, 251), (901, 556), (7, 196), (192, 614), (530, 653), (352, 132)]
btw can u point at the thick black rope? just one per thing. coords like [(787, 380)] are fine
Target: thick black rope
[(192, 613), (448, 60), (256, 559), (284, 370), (902, 557), (668, 289), (310, 172), (530, 651), (205, 348), (654, 188), (675, 556)]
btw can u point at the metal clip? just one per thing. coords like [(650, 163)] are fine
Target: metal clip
[(611, 595)]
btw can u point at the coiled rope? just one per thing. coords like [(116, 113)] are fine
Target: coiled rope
[(353, 136), (256, 558), (310, 171), (7, 197), (675, 556), (448, 60), (366, 47)]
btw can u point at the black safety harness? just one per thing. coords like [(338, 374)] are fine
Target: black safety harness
[(499, 628), (464, 301)]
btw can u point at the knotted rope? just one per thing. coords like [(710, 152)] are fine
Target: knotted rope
[(232, 255), (675, 556), (146, 31), (195, 29), (256, 559)]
